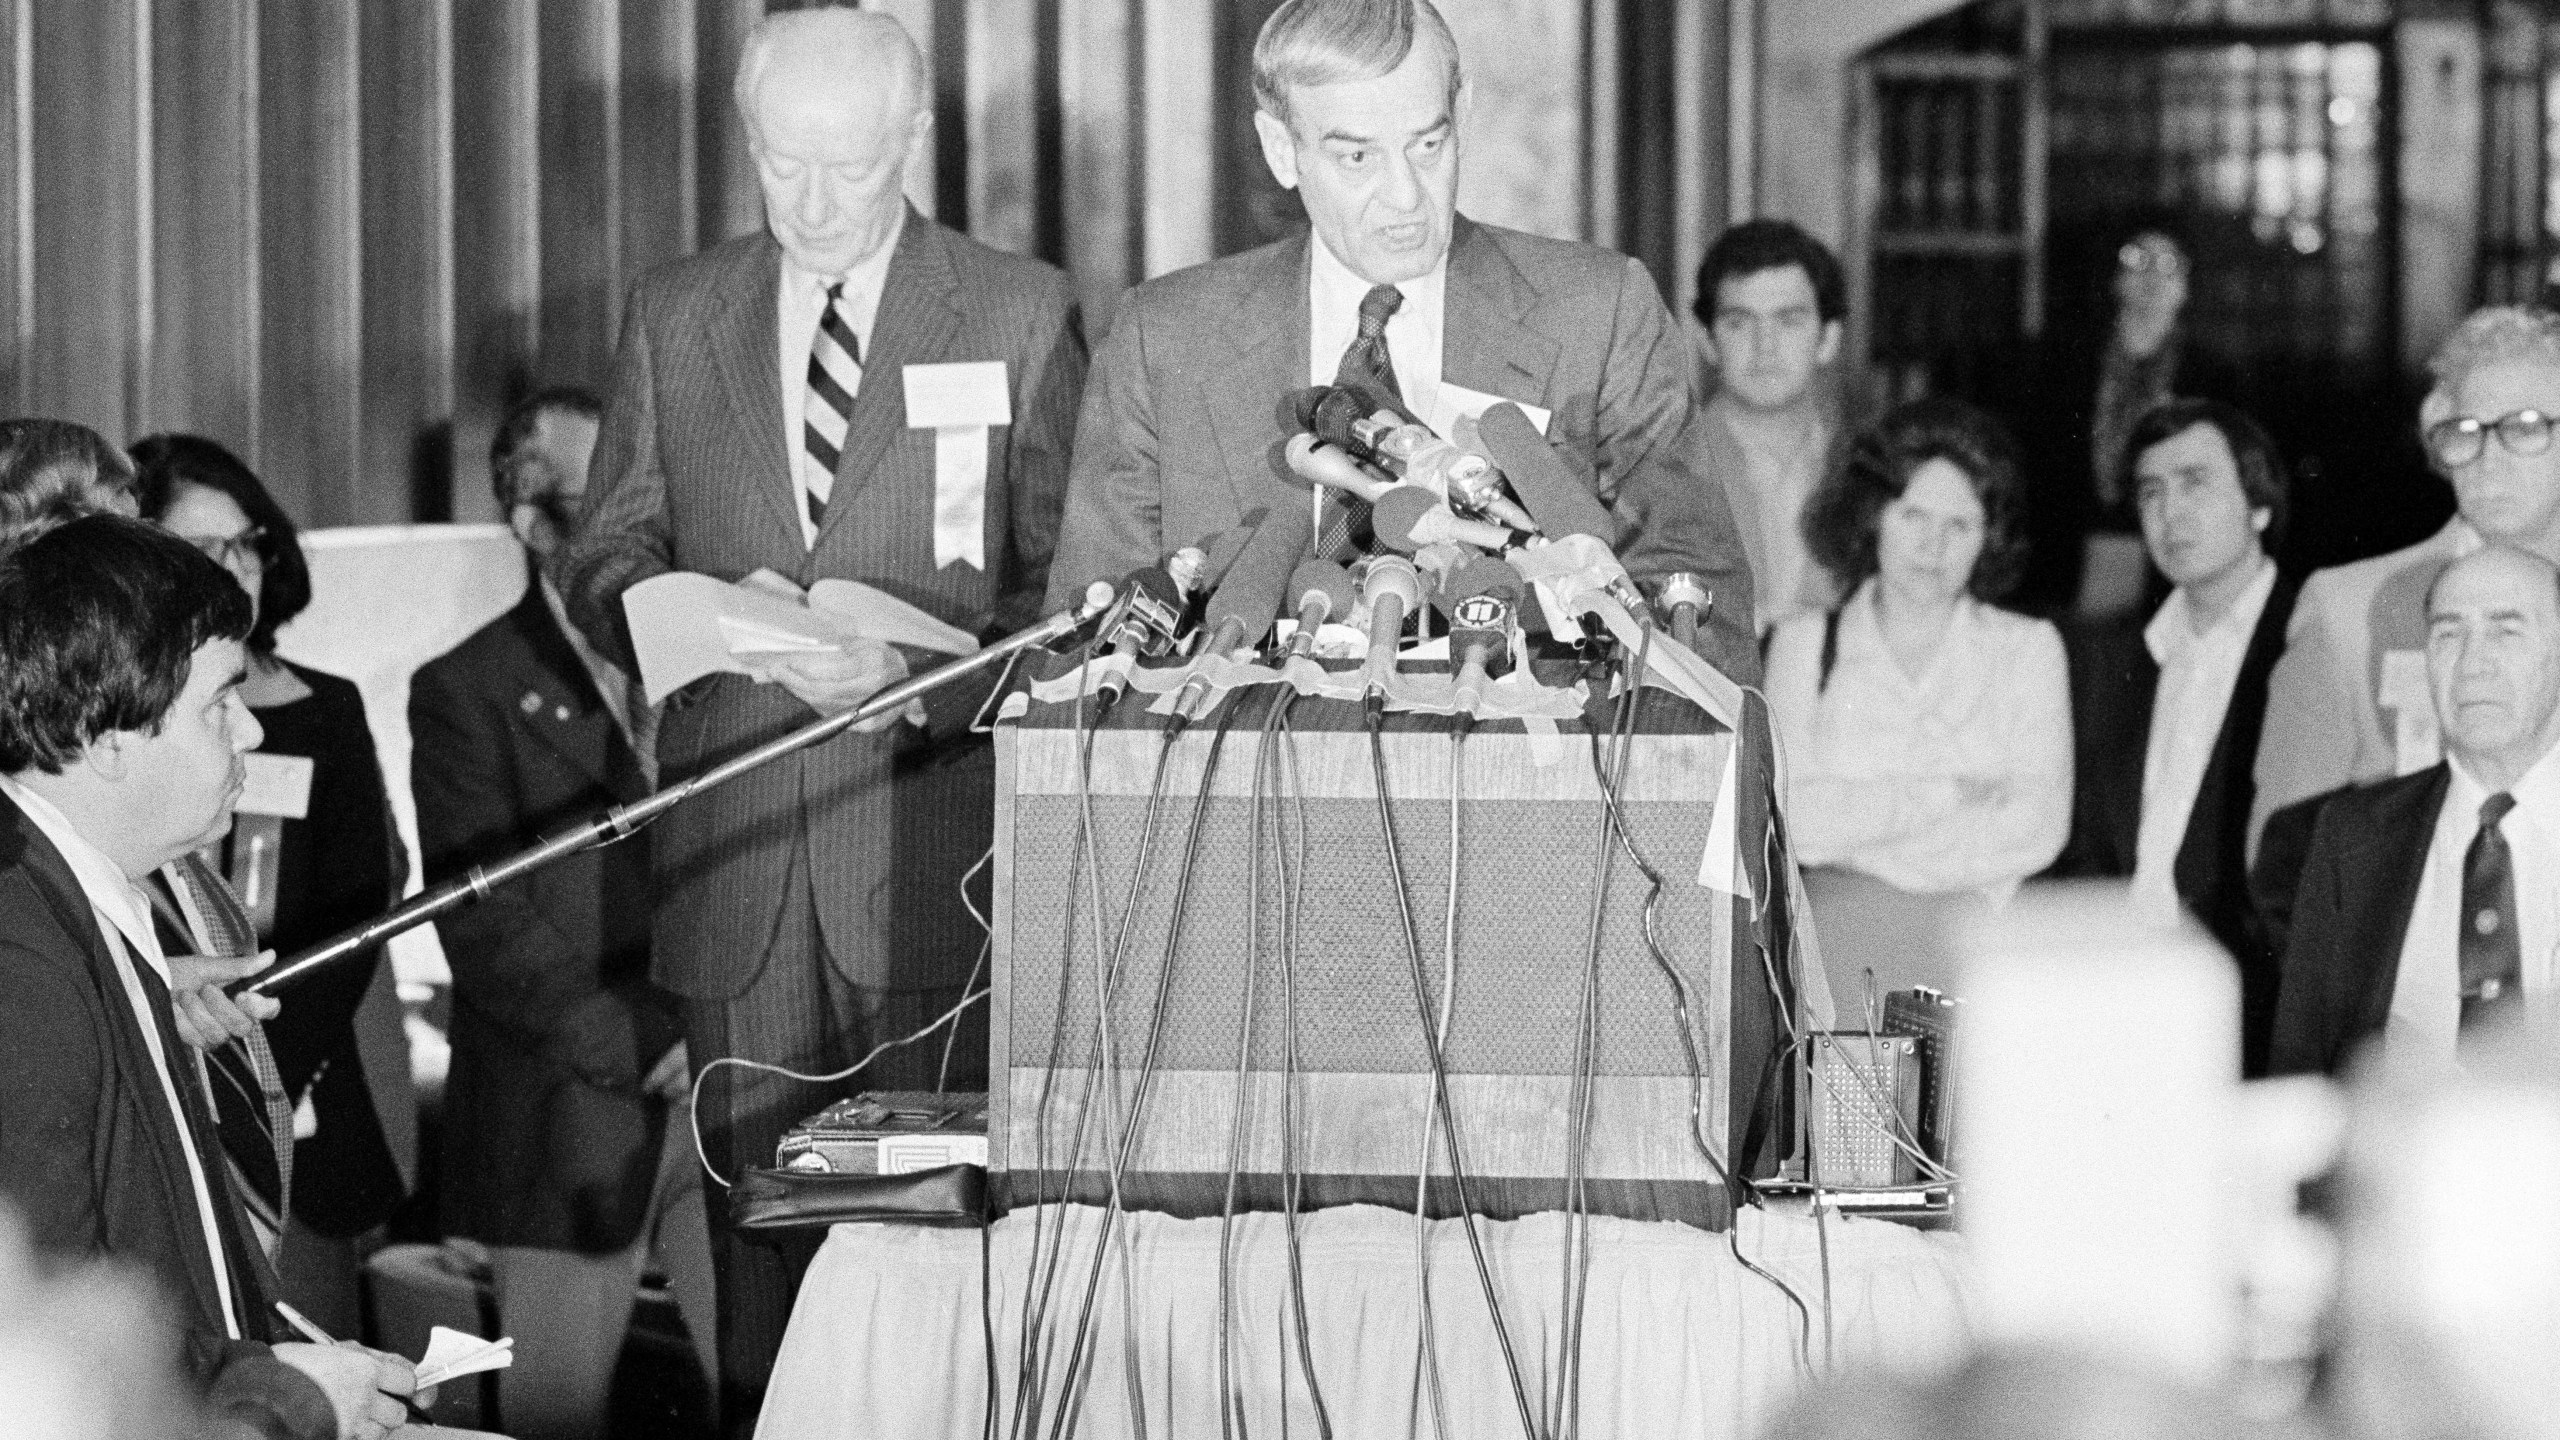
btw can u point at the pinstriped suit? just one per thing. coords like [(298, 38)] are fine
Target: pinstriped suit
[(827, 881)]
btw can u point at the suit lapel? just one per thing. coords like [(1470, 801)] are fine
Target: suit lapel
[(920, 313), (2387, 869), (1486, 342), (747, 349), (2228, 784), (1266, 335), (586, 736)]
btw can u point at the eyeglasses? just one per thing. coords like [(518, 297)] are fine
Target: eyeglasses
[(227, 550), (2461, 440)]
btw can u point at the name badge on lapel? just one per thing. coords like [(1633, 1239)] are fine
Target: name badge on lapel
[(959, 403), (278, 785)]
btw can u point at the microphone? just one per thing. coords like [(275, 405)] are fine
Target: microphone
[(1410, 517), (1392, 589), (1684, 598), (1321, 462), (1323, 590), (1561, 504), (1149, 616), (1482, 598), (1249, 598), (1468, 480)]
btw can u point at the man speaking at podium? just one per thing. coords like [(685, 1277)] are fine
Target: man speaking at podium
[(859, 394), (1358, 104)]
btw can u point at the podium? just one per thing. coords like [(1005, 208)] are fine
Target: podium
[(1224, 997)]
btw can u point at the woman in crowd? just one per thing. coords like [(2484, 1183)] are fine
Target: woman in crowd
[(1925, 733), (311, 853)]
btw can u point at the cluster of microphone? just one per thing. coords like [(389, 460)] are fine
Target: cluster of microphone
[(1436, 516)]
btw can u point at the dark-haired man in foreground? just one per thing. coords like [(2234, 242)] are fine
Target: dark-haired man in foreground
[(121, 731)]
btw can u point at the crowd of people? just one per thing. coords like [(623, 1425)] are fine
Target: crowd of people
[(2346, 778)]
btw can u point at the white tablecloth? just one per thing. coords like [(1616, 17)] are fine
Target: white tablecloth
[(1678, 1338)]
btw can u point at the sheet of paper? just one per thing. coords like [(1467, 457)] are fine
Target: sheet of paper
[(682, 625), (971, 393), (960, 496), (452, 1355), (1473, 404), (275, 785), (875, 613)]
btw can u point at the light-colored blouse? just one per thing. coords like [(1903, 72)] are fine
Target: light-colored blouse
[(1874, 760)]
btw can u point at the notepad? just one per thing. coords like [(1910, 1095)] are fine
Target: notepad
[(452, 1355)]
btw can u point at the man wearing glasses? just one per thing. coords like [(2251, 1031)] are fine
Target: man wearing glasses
[(2349, 703)]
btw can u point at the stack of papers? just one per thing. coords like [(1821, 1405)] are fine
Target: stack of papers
[(686, 626)]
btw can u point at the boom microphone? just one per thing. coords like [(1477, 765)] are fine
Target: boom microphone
[(1410, 517), (1149, 616), (1250, 597), (1320, 590)]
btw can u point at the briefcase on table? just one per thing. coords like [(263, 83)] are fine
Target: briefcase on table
[(896, 1157)]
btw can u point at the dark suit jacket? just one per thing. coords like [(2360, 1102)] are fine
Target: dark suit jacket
[(2350, 915), (691, 474), (2212, 871), (548, 1140), (91, 1156), (1182, 432)]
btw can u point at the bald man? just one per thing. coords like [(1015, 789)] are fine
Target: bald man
[(860, 393), (2429, 904)]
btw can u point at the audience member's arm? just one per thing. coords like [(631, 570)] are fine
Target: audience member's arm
[(1114, 520), (1834, 818), (2010, 825), (504, 947), (2309, 743), (626, 536)]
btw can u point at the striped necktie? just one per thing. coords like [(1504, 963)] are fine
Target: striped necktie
[(835, 377), (2490, 951), (1344, 534), (270, 1110)]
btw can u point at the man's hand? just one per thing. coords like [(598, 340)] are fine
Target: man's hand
[(364, 1386), (207, 1018), (834, 681)]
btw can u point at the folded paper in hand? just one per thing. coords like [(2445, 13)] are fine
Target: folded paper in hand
[(452, 1355), (685, 626)]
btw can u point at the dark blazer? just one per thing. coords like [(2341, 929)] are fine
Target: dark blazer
[(691, 474), (2350, 916), (1181, 435), (548, 1140), (92, 1158), (2113, 727)]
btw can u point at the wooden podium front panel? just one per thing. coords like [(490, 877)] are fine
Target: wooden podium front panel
[(1529, 829)]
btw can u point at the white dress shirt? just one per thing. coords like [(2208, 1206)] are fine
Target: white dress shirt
[(2426, 999), (2197, 675), (124, 922), (798, 304), (1414, 333), (1877, 762)]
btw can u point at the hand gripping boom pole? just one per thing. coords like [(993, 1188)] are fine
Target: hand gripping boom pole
[(623, 820)]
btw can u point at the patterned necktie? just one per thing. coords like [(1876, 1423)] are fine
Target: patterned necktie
[(228, 932), (835, 377), (2492, 956), (1345, 533)]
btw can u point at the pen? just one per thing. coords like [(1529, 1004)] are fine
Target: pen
[(318, 1336)]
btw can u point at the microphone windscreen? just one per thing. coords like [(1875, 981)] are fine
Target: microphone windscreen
[(1397, 512), (1257, 585), (1318, 575), (1479, 575), (1300, 406), (1312, 461), (1560, 504), (1335, 412)]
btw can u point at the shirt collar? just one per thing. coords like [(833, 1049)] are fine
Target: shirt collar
[(866, 276), (2537, 790), (109, 890), (1335, 289), (2172, 631)]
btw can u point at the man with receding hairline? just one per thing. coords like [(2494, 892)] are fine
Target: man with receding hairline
[(2429, 905), (766, 421), (1358, 108)]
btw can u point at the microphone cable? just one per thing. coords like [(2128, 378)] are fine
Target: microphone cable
[(1077, 1358), (1427, 1340), (1440, 1077), (1293, 899), (1265, 760)]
